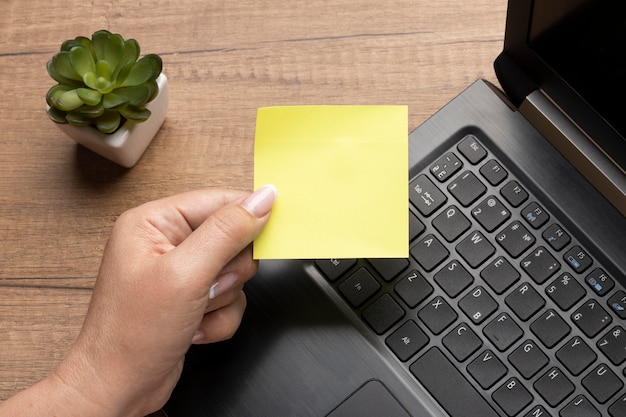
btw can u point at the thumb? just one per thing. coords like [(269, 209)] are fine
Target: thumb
[(225, 233)]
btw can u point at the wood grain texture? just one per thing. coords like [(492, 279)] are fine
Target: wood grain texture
[(224, 60)]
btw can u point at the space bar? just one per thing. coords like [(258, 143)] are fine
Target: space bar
[(446, 384)]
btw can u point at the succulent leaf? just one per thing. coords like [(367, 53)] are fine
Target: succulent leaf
[(88, 96), (108, 122), (135, 113), (68, 100), (137, 95), (78, 119), (82, 61), (57, 115), (126, 62), (113, 50), (146, 69), (113, 101), (61, 70)]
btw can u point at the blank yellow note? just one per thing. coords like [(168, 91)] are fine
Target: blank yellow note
[(342, 178)]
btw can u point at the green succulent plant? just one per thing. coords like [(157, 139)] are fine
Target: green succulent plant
[(102, 82)]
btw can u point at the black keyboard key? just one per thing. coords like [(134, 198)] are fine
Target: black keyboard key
[(602, 383), (500, 275), (416, 227), (437, 374), (467, 188), (407, 340), (591, 318), (550, 328), (471, 149), (383, 313), (556, 237), (453, 278), (475, 249), (599, 281), (487, 369), (528, 359), (462, 342), (554, 386), (446, 166), (478, 305), (576, 355), (493, 172), (535, 215), (580, 406), (512, 397), (578, 259), (359, 287), (413, 288), (437, 315), (525, 301), (429, 252), (618, 408), (389, 268), (540, 265), (514, 193), (425, 195), (515, 239), (451, 223), (537, 411), (565, 291), (613, 345), (491, 213), (333, 269), (617, 302), (503, 332)]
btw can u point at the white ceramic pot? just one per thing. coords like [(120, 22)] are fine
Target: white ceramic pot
[(129, 142)]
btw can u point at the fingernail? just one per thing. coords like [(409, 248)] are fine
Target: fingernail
[(222, 284), (198, 336), (261, 201)]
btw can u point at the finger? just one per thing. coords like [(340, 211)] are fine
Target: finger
[(221, 324), (223, 235)]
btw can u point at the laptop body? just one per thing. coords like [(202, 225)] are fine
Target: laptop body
[(512, 301)]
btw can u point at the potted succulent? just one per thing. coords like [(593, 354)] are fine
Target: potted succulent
[(107, 98)]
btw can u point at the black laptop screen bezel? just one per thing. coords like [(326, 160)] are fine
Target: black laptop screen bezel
[(524, 23)]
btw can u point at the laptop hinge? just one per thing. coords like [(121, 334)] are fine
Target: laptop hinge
[(577, 147)]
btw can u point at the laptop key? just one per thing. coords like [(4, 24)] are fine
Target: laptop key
[(451, 223), (535, 215), (515, 239), (453, 278), (540, 265), (389, 268), (475, 249), (528, 359), (487, 369), (556, 237), (446, 166), (425, 195), (554, 386), (478, 305), (493, 172), (565, 291), (514, 193), (512, 397), (472, 149), (407, 340), (491, 213), (500, 275), (383, 313), (467, 188), (602, 383), (550, 328), (334, 268), (537, 411), (617, 302), (618, 408), (576, 355), (525, 301), (591, 318), (437, 315), (437, 374), (429, 252), (599, 281), (503, 332), (359, 287), (580, 406), (613, 345), (578, 259), (413, 288), (462, 342)]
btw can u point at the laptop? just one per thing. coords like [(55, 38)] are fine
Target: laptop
[(513, 299)]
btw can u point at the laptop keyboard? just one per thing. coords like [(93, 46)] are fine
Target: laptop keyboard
[(499, 310)]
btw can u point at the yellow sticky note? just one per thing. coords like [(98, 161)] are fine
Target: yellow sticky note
[(342, 178)]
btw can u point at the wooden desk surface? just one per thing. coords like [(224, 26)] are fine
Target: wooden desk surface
[(223, 60)]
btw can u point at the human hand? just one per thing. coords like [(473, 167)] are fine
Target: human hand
[(172, 274)]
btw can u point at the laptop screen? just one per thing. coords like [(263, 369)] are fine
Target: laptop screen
[(575, 50)]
